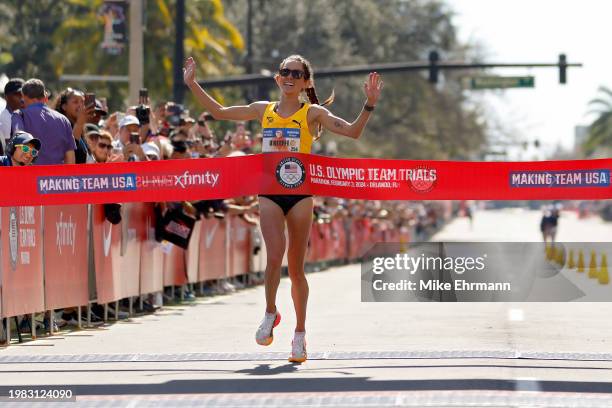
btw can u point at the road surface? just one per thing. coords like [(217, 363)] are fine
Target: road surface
[(361, 354)]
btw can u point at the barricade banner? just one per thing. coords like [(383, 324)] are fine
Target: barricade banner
[(174, 266), (322, 241), (327, 241), (312, 255), (22, 261), (212, 249), (339, 239), (362, 238), (66, 244), (355, 238), (239, 246), (132, 232), (192, 254), (283, 173), (107, 256), (151, 255)]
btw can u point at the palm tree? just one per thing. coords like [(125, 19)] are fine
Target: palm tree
[(209, 37), (600, 131)]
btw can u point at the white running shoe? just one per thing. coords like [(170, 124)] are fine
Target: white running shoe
[(265, 332), (298, 349)]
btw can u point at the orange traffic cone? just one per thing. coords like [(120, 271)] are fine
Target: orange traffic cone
[(580, 266), (570, 262), (560, 256), (593, 266), (604, 279), (550, 253)]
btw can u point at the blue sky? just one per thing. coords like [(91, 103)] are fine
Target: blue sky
[(537, 31)]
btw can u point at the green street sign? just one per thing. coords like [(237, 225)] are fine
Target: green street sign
[(494, 82)]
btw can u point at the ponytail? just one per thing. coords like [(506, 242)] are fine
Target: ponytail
[(314, 99)]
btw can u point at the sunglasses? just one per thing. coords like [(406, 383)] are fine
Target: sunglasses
[(28, 149), (295, 73), (105, 146)]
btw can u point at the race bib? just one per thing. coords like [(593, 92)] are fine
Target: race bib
[(281, 140)]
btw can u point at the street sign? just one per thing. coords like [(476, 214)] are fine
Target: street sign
[(494, 82)]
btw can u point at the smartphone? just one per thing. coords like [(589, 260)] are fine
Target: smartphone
[(143, 95), (134, 138), (90, 99)]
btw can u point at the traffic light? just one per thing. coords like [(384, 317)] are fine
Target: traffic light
[(562, 69), (433, 67)]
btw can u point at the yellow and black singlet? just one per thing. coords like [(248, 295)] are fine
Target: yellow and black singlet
[(286, 134)]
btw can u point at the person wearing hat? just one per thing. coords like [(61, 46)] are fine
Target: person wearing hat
[(98, 113), (22, 150), (151, 150), (14, 101), (127, 125), (132, 151), (50, 127)]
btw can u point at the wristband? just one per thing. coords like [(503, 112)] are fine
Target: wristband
[(368, 108)]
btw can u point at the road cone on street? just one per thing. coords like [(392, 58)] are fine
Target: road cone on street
[(570, 262), (593, 266), (580, 266), (550, 252), (560, 256), (604, 279)]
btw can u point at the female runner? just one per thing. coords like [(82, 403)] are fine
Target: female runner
[(288, 125)]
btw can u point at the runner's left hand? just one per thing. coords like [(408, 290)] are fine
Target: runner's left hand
[(372, 88)]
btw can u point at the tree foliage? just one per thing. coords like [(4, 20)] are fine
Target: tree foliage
[(600, 130), (64, 37), (413, 118)]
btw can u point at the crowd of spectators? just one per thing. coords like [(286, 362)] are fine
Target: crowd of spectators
[(76, 127)]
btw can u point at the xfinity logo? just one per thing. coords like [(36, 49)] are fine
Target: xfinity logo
[(187, 179), (65, 233)]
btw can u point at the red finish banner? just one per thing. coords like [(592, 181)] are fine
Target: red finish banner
[(282, 173)]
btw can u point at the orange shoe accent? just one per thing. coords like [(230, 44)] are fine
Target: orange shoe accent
[(297, 360), (270, 339), (300, 360)]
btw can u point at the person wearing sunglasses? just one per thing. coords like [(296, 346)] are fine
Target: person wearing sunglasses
[(300, 123), (101, 142), (22, 150)]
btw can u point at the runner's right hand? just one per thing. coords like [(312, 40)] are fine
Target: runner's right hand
[(189, 71)]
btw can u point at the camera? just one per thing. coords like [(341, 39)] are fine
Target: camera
[(143, 111)]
